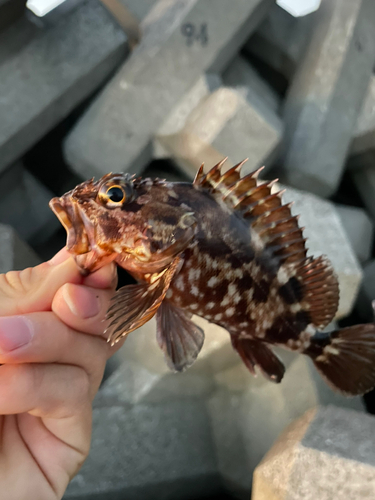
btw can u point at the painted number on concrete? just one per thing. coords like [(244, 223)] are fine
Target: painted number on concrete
[(195, 33)]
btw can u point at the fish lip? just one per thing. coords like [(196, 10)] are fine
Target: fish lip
[(78, 244)]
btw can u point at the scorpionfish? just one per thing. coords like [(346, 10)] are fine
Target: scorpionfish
[(224, 248)]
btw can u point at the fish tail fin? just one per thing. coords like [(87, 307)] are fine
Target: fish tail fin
[(345, 358)]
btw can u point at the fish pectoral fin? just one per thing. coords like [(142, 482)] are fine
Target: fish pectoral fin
[(255, 353), (178, 337), (134, 305)]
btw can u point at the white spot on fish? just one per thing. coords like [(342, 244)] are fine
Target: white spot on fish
[(217, 317), (282, 276), (194, 306), (194, 290), (226, 300), (169, 293), (210, 305), (212, 281), (179, 283), (294, 308), (230, 311), (232, 289)]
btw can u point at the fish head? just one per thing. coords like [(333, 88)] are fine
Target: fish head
[(139, 223)]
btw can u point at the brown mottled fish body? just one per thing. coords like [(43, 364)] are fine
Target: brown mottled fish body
[(224, 248)]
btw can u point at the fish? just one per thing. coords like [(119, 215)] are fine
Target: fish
[(225, 248)]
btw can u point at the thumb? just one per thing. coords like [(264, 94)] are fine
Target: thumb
[(33, 288)]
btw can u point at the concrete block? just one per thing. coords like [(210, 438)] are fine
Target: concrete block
[(248, 414), (243, 77), (229, 122), (364, 132), (24, 205), (52, 71), (148, 451), (326, 235), (327, 93), (15, 255), (10, 10), (281, 40), (140, 373), (181, 41), (328, 453), (175, 121), (359, 229), (364, 179)]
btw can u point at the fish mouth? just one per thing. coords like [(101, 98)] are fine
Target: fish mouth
[(80, 234)]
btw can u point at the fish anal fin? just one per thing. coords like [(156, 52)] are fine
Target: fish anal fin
[(178, 337), (320, 289), (346, 358), (255, 353), (134, 305)]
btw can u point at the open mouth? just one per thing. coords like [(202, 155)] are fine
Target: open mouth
[(78, 235)]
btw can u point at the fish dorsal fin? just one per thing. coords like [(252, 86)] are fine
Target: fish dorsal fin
[(320, 290), (275, 229), (134, 305), (271, 221)]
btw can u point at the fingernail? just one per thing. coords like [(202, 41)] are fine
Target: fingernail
[(82, 301), (15, 331), (60, 257)]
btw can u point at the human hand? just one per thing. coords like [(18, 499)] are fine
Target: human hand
[(52, 357)]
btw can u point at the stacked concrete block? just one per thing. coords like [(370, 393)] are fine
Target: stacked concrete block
[(50, 71), (359, 229), (281, 40), (15, 255), (364, 179), (326, 236), (181, 41), (248, 414), (148, 451), (24, 205), (238, 120), (327, 93), (328, 453)]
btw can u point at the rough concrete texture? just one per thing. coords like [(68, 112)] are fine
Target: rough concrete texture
[(248, 414), (326, 235), (180, 42), (175, 121), (148, 451), (24, 205), (15, 255), (327, 93), (244, 78), (64, 64), (364, 179), (328, 453), (364, 132), (229, 122), (359, 229), (140, 373), (281, 40)]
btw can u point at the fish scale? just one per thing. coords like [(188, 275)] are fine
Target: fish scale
[(225, 248)]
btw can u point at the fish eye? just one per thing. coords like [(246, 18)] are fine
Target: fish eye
[(116, 194)]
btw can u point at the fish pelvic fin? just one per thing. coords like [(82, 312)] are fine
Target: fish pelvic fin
[(345, 358)]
